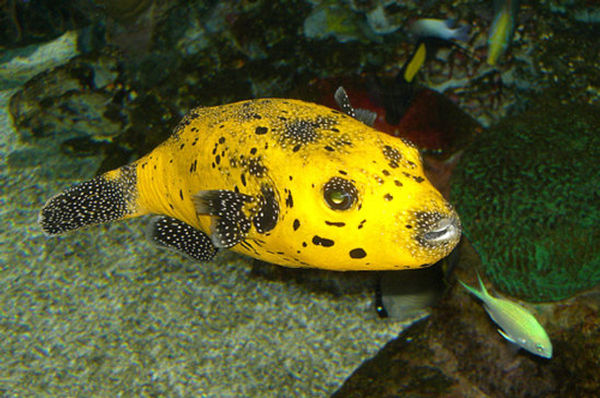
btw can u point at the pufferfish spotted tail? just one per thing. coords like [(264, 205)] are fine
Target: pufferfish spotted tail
[(105, 198), (114, 196)]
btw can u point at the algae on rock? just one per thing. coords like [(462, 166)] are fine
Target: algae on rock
[(528, 193)]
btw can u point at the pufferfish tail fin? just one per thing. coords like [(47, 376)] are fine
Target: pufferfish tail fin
[(108, 197)]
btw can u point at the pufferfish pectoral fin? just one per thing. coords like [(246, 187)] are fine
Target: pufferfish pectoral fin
[(176, 235), (229, 223)]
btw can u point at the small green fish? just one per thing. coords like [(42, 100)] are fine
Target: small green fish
[(503, 28), (518, 325)]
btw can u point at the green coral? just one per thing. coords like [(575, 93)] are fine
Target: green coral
[(528, 192)]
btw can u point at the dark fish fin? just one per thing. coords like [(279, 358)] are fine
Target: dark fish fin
[(364, 115), (341, 98), (229, 223), (183, 238), (96, 201)]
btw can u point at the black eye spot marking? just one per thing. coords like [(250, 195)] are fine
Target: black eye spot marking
[(339, 193), (392, 155), (335, 224), (318, 241), (357, 253), (261, 130), (296, 224), (388, 197)]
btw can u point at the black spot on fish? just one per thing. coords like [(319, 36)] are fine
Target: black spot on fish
[(296, 224), (297, 147), (253, 151), (304, 244), (181, 146), (181, 194), (361, 224), (255, 167), (357, 253), (243, 178), (221, 140), (392, 155), (388, 197), (386, 173), (398, 183), (261, 130), (328, 148), (342, 172), (418, 179), (335, 224), (218, 159), (289, 201), (318, 241), (268, 210), (193, 166)]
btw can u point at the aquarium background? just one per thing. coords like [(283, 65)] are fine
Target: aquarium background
[(87, 86)]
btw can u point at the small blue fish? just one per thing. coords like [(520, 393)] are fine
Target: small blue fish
[(518, 325), (431, 28)]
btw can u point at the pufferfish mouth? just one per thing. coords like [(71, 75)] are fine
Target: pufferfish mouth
[(436, 229)]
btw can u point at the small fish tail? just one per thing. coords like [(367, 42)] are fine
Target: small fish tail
[(479, 294), (462, 33), (105, 198)]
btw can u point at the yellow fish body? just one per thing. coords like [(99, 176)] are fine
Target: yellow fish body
[(284, 181)]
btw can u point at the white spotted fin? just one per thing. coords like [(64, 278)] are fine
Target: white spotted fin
[(364, 115)]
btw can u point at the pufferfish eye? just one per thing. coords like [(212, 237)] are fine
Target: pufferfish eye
[(340, 194)]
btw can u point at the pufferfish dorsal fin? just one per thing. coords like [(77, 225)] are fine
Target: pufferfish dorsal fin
[(176, 235), (364, 115), (229, 223)]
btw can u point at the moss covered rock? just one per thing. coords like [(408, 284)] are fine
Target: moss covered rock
[(528, 193)]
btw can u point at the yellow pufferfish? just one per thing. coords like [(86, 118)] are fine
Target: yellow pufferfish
[(281, 180)]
